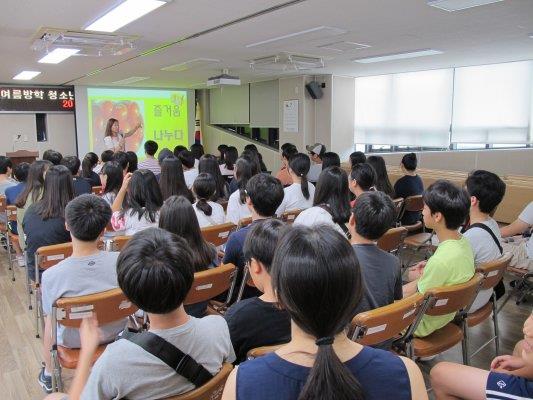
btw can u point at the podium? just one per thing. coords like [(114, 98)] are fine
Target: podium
[(21, 156)]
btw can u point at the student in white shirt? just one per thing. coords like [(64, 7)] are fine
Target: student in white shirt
[(190, 172), (230, 158), (300, 194), (523, 251), (237, 208), (208, 212), (331, 203), (316, 151)]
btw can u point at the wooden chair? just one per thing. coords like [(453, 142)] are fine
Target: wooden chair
[(413, 204), (493, 273), (46, 257), (261, 351), (110, 306), (11, 216), (212, 390), (392, 240), (218, 234), (445, 300), (385, 323), (97, 190), (210, 283), (117, 243), (244, 222), (289, 216)]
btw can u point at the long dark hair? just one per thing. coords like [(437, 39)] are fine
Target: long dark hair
[(110, 123), (89, 162), (382, 178), (230, 157), (177, 216), (253, 159), (300, 165), (133, 161), (204, 187), (143, 196), (317, 278), (332, 189), (209, 164), (58, 190), (114, 176), (34, 183), (172, 181), (243, 173)]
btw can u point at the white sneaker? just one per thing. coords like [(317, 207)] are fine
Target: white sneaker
[(20, 261)]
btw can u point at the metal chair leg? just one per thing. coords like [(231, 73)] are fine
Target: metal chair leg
[(464, 345), (496, 327)]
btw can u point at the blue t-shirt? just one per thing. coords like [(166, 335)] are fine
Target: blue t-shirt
[(233, 252), (381, 374), (13, 192)]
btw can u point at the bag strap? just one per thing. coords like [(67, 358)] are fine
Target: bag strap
[(489, 231), (342, 226), (180, 362)]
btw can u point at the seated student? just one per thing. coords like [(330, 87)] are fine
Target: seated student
[(133, 161), (122, 159), (87, 169), (178, 149), (106, 156), (81, 186), (382, 178), (237, 208), (372, 216), (264, 195), (331, 203), (316, 151), (208, 164), (197, 151), (111, 177), (44, 220), (136, 206), (177, 216), (258, 321), (362, 179), (87, 271), (299, 195), (316, 277), (207, 211), (172, 181), (164, 153), (221, 152), (6, 169), (53, 156), (523, 251), (230, 156), (189, 171), (445, 209), (486, 191), (330, 159), (21, 174), (510, 377), (287, 151), (409, 185), (253, 148), (155, 272), (357, 157), (150, 162)]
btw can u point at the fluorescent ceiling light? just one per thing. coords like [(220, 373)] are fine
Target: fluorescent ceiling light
[(398, 56), (123, 14), (310, 34), (58, 55), (26, 75), (457, 5), (131, 79)]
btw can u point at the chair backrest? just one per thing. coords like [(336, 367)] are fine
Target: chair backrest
[(109, 306), (290, 216), (493, 271), (392, 239), (48, 256), (210, 283), (398, 205), (97, 190), (3, 203), (453, 298), (384, 323), (212, 390), (218, 234), (244, 222), (414, 203), (11, 212), (261, 351), (117, 243)]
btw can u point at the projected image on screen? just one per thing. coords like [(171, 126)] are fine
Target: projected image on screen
[(162, 113)]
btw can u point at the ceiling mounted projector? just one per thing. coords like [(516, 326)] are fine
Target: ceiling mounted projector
[(224, 80)]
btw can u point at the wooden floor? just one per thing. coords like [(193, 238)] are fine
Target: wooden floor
[(20, 351)]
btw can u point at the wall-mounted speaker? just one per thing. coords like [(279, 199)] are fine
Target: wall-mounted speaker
[(314, 90)]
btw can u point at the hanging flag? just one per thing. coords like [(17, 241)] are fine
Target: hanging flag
[(197, 129)]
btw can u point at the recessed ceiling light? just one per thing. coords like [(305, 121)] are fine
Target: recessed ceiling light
[(457, 5), (58, 55), (26, 75), (123, 14), (310, 34), (131, 79), (398, 56)]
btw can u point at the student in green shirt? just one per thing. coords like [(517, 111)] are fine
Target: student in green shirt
[(446, 207)]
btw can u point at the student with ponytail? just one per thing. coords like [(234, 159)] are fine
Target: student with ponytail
[(317, 280), (300, 194), (87, 165), (207, 211), (237, 207)]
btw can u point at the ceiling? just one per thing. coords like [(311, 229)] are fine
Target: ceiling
[(497, 32)]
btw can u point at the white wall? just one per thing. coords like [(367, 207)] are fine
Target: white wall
[(61, 131)]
